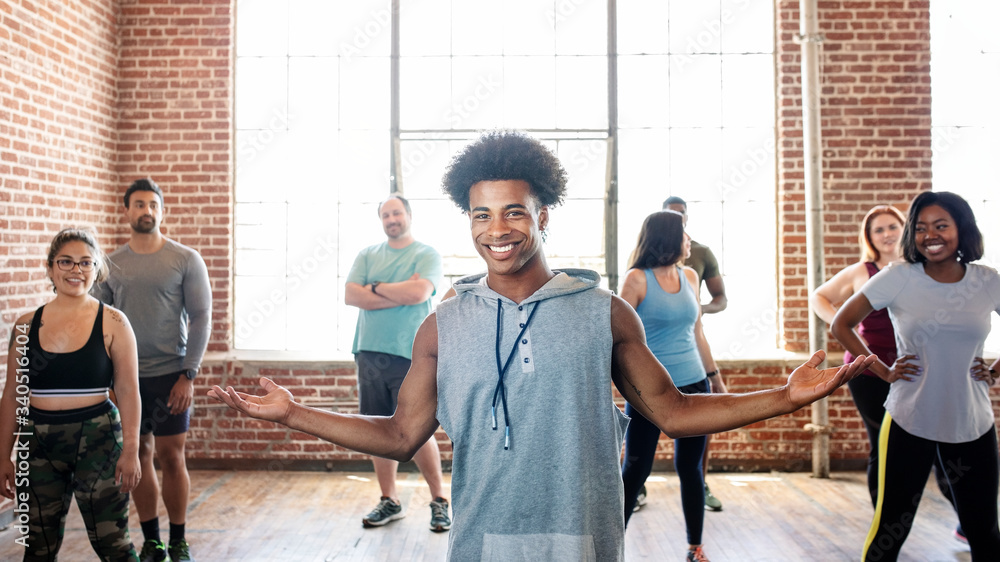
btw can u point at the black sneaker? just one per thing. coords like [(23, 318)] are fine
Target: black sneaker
[(179, 551), (386, 511), (154, 551), (440, 521)]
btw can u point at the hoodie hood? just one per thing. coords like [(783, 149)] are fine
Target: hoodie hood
[(566, 281)]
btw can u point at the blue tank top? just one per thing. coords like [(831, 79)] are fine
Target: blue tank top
[(88, 371), (668, 319)]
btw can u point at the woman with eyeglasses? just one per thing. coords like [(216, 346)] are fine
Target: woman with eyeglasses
[(665, 295), (939, 407), (66, 435)]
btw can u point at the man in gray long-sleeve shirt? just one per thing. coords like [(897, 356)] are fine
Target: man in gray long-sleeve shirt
[(163, 288)]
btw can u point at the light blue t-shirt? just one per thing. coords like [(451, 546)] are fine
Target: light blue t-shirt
[(391, 330), (669, 319), (945, 325)]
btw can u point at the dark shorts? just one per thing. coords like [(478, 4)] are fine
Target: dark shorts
[(156, 417), (379, 377)]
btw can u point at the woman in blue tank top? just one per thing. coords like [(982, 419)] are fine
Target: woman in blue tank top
[(665, 295), (66, 435)]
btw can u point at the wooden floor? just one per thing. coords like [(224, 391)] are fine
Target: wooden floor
[(310, 516)]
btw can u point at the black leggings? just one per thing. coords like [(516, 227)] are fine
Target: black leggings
[(869, 394), (640, 448), (905, 462)]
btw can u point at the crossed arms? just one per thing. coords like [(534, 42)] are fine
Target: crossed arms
[(388, 295)]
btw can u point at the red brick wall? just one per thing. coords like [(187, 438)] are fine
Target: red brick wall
[(176, 125), (219, 435), (58, 62), (220, 438), (876, 129), (96, 94)]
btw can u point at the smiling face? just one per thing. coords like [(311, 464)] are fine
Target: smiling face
[(936, 235), (144, 212), (73, 282), (395, 219), (885, 232), (506, 224)]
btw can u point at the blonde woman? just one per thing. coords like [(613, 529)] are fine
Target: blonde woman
[(880, 238)]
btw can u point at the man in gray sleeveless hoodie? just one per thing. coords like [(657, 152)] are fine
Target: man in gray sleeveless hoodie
[(517, 368)]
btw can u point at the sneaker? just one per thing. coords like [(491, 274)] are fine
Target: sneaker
[(440, 521), (696, 555), (179, 551), (640, 500), (960, 535), (386, 511), (154, 551), (712, 503)]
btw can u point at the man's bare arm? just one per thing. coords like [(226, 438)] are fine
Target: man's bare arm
[(717, 289), (397, 437), (644, 382)]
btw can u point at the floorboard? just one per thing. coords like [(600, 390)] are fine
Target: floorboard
[(261, 516)]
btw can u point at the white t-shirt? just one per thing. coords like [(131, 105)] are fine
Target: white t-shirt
[(945, 326)]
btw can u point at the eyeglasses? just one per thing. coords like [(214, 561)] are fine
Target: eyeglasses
[(67, 265)]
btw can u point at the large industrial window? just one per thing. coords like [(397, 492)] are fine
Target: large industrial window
[(965, 121), (319, 146)]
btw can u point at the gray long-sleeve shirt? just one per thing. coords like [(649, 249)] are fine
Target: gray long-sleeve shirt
[(167, 299)]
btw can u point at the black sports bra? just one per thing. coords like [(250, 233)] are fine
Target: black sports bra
[(87, 371)]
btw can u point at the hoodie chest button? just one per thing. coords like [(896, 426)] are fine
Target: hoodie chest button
[(524, 341), (521, 325), (526, 360), (520, 308)]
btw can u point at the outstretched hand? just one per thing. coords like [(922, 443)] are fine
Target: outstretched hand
[(807, 383), (273, 406)]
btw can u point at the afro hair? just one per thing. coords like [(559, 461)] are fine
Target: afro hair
[(506, 155)]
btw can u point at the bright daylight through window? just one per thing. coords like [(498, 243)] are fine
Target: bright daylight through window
[(965, 59), (316, 142)]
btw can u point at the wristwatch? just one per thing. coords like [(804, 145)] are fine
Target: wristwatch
[(374, 284), (190, 373)]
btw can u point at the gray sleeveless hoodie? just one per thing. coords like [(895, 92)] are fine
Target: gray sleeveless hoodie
[(556, 493)]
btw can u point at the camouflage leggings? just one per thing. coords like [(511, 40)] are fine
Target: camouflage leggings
[(77, 456)]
